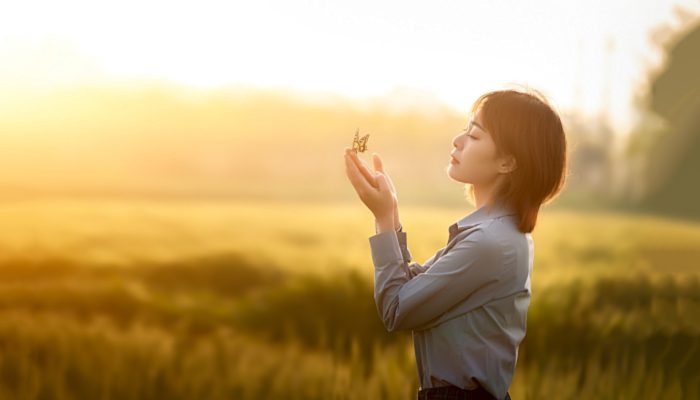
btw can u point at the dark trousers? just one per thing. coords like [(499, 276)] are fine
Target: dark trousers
[(456, 393)]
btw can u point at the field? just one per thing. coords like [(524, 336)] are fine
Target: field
[(264, 300)]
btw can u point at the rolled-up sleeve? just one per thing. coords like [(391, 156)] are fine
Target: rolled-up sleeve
[(411, 297)]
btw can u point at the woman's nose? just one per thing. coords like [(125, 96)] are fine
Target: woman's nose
[(455, 141)]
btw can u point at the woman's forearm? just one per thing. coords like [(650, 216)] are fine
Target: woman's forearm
[(393, 223)]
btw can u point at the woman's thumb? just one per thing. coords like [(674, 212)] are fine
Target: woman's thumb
[(383, 183), (377, 162)]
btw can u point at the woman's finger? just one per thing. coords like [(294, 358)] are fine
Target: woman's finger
[(379, 167), (371, 178), (383, 183), (356, 178)]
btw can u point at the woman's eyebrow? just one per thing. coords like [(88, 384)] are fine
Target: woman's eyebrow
[(477, 124)]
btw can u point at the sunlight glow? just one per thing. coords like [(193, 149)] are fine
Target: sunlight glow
[(584, 55)]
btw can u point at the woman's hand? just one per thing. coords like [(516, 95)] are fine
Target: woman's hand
[(375, 189), (379, 167)]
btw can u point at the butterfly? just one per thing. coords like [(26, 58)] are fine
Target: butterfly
[(360, 143)]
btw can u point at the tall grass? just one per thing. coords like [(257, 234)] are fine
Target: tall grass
[(230, 325), (58, 357)]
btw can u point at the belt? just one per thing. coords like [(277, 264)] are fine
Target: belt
[(454, 393)]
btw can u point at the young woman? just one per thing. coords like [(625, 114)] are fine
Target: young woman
[(467, 305)]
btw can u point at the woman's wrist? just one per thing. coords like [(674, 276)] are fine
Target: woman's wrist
[(384, 224)]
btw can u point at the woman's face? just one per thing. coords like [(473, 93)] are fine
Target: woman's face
[(475, 153)]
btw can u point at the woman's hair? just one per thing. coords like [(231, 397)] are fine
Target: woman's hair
[(524, 125)]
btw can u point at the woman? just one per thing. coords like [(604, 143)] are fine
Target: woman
[(467, 305)]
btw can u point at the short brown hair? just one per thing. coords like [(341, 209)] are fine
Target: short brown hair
[(524, 125)]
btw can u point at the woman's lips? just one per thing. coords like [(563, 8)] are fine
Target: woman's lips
[(453, 160)]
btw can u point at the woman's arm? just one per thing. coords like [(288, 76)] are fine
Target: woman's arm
[(414, 268), (411, 296)]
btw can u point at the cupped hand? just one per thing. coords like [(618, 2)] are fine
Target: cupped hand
[(374, 188)]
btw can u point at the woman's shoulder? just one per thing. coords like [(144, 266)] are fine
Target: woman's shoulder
[(499, 234), (503, 231)]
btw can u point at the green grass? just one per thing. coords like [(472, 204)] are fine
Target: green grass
[(241, 301)]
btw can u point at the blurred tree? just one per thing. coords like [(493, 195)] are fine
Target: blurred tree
[(671, 150)]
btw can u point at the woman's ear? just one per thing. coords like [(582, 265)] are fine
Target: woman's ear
[(507, 164)]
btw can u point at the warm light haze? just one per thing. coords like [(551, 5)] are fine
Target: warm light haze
[(587, 55), (163, 97)]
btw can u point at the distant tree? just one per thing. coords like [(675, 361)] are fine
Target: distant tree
[(671, 149)]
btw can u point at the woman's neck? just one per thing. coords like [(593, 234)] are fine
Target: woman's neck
[(483, 195)]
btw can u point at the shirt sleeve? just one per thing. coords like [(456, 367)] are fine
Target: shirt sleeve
[(413, 268), (401, 235), (410, 296)]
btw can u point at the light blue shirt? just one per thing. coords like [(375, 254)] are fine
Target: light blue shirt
[(466, 305)]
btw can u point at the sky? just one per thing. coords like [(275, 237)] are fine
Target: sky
[(589, 56)]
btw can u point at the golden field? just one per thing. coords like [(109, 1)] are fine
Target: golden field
[(273, 300)]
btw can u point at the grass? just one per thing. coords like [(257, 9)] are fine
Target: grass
[(110, 300)]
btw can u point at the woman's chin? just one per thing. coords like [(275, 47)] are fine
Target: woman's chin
[(450, 171)]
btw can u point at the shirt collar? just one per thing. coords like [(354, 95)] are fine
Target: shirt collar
[(481, 214)]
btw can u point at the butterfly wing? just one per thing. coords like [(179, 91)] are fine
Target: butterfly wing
[(363, 143), (356, 141)]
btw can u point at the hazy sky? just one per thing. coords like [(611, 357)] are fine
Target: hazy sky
[(456, 50)]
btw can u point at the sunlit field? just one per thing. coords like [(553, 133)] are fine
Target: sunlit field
[(265, 300)]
